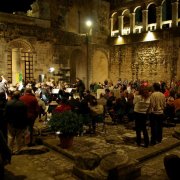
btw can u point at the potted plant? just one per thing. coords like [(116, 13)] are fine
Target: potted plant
[(68, 124)]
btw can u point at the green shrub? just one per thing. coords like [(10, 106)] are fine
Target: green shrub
[(68, 123)]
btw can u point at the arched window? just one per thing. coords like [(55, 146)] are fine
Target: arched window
[(166, 10), (115, 22), (126, 21), (152, 14), (179, 10), (138, 16)]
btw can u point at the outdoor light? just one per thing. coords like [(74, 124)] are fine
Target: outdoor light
[(119, 40), (51, 69), (88, 23), (149, 36), (58, 132)]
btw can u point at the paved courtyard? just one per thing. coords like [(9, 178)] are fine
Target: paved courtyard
[(58, 163)]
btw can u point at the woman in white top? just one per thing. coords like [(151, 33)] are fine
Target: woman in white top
[(141, 105)]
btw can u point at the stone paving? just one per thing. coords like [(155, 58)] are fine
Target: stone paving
[(59, 164), (47, 166)]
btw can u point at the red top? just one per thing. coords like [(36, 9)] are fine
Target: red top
[(62, 108), (32, 105)]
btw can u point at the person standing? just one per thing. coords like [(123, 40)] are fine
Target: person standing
[(3, 86), (141, 105), (32, 110), (16, 117), (3, 124), (157, 105), (176, 105), (80, 88)]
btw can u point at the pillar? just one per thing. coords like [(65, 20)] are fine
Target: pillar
[(132, 22), (111, 25), (16, 66), (159, 17), (145, 20), (174, 14), (120, 24)]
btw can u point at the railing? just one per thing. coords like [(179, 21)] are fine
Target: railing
[(114, 33), (151, 27), (126, 31), (138, 29), (179, 22), (167, 24)]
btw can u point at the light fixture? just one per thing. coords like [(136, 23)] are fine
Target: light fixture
[(149, 36), (119, 40), (88, 23), (51, 69)]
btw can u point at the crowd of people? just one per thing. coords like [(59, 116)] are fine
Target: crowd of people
[(139, 101)]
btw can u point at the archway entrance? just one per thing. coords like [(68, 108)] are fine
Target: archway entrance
[(78, 66), (19, 61)]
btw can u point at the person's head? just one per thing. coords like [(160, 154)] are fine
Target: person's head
[(16, 95), (172, 93), (88, 92), (93, 102), (144, 91), (111, 93), (156, 87), (28, 90), (64, 101), (107, 91)]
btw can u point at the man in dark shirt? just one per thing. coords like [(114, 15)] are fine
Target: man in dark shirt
[(16, 117)]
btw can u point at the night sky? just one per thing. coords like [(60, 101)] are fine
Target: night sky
[(10, 6)]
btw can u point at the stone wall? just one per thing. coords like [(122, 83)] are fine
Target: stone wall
[(153, 60)]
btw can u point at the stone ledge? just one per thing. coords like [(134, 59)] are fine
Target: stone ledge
[(145, 153), (128, 172)]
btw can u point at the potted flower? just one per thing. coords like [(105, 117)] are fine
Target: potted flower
[(68, 124)]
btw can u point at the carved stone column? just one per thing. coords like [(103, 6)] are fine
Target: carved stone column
[(174, 14), (16, 67), (159, 17), (120, 24), (132, 22), (145, 20)]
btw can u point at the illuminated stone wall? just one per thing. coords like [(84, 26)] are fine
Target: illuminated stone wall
[(153, 61)]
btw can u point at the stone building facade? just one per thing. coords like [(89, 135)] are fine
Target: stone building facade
[(129, 39), (53, 34), (145, 39)]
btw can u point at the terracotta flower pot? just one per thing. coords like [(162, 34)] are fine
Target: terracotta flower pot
[(66, 141)]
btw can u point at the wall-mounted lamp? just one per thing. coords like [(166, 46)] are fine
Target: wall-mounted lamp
[(51, 69), (149, 36)]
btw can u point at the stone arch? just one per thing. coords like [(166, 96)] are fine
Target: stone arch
[(20, 58), (115, 20), (99, 66), (21, 43), (136, 8), (126, 21), (125, 11), (138, 15), (78, 65), (166, 10), (152, 3)]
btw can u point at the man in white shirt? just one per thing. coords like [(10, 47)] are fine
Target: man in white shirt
[(157, 105)]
